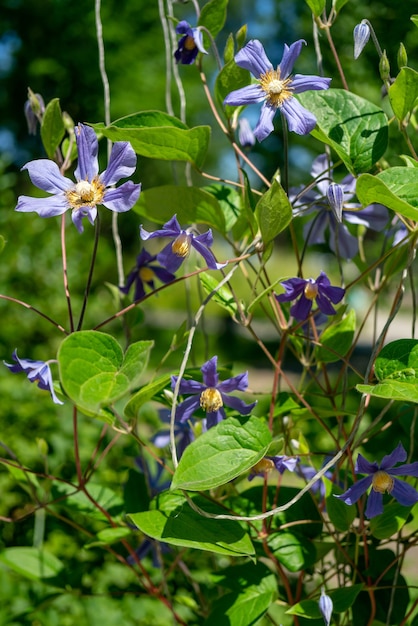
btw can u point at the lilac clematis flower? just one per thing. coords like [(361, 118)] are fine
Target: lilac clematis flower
[(332, 200), (189, 45), (245, 134), (383, 479), (211, 395), (36, 371), (173, 255), (268, 463), (276, 88), (325, 606), (90, 189), (145, 271), (361, 35), (309, 290), (183, 434)]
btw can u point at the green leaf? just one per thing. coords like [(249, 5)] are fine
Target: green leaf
[(156, 135), (414, 19), (229, 201), (33, 563), (110, 535), (338, 4), (95, 372), (340, 514), (78, 502), (293, 550), (396, 369), (395, 187), (390, 522), (354, 127), (336, 339), (273, 212), (230, 77), (244, 607), (52, 127), (222, 453), (342, 600), (213, 16), (173, 521), (316, 6), (145, 394), (223, 296), (403, 93), (190, 204)]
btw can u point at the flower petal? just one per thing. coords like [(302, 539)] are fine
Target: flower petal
[(44, 207), (290, 54), (374, 504), (294, 288), (122, 198), (78, 214), (46, 175), (122, 163), (397, 456), (185, 409), (356, 491), (87, 147), (404, 493), (374, 216), (238, 404), (168, 259), (209, 371), (324, 305), (363, 466), (302, 307), (236, 383), (206, 254), (265, 122), (408, 469), (301, 83), (246, 95), (252, 57), (299, 119)]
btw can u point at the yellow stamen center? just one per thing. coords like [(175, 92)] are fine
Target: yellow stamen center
[(146, 274), (382, 482), (311, 290), (181, 245), (211, 400), (86, 194), (189, 43), (277, 90), (263, 466)]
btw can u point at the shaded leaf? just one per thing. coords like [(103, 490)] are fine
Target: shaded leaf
[(52, 127), (395, 187)]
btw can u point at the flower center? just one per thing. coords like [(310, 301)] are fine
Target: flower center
[(86, 194), (311, 289), (263, 466), (146, 274), (189, 43), (382, 482), (181, 245), (211, 400), (276, 89)]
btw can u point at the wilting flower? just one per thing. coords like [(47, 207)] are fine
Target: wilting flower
[(268, 463), (245, 134), (189, 45), (145, 271), (361, 37), (276, 88), (325, 606), (211, 395), (308, 290), (332, 202), (90, 189), (383, 479), (37, 372), (175, 252)]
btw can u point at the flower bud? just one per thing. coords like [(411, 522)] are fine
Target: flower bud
[(402, 56), (325, 606), (361, 37), (34, 109), (335, 197), (384, 67)]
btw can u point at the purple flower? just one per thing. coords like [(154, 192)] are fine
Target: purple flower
[(183, 434), (36, 371), (309, 290), (175, 252), (325, 606), (211, 395), (268, 463), (34, 109), (382, 479), (145, 271), (276, 88), (332, 202), (90, 189), (245, 134), (189, 45), (361, 37)]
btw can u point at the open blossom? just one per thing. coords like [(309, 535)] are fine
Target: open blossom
[(145, 272), (383, 479), (91, 188), (175, 252), (211, 395), (276, 88), (308, 290), (190, 44), (37, 372), (331, 206)]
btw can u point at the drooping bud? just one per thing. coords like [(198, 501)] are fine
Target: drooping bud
[(335, 197), (384, 67), (402, 56), (361, 37), (34, 109), (325, 607)]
